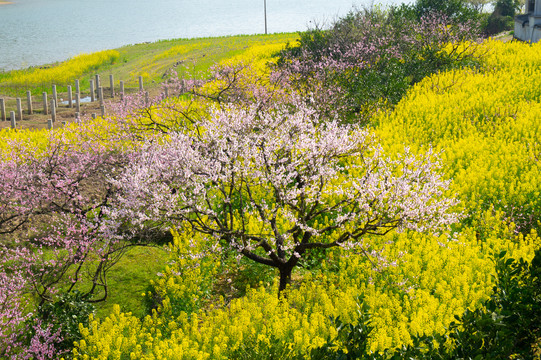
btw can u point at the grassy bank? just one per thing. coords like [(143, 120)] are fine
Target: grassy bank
[(152, 61)]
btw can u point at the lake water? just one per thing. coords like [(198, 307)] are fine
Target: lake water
[(34, 32)]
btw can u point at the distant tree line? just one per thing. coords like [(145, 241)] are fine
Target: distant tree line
[(500, 19)]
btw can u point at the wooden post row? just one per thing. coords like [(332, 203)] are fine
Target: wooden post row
[(45, 110), (19, 109), (70, 97), (29, 102), (2, 110)]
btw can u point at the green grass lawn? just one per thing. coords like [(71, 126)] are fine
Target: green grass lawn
[(126, 280), (153, 60), (129, 278)]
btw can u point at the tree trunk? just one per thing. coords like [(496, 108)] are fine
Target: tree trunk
[(285, 277)]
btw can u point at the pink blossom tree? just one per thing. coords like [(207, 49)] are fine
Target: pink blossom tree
[(16, 323), (369, 58), (53, 234), (55, 198), (274, 185), (11, 315)]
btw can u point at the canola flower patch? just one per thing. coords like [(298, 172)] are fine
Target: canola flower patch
[(258, 56), (424, 282), (103, 132), (249, 67), (486, 122), (180, 50), (37, 140), (63, 73)]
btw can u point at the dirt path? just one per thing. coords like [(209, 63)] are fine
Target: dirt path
[(38, 120)]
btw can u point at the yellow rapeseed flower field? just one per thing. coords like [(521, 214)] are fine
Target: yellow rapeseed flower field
[(63, 73), (486, 124)]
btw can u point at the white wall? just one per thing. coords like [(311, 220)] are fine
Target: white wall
[(525, 33)]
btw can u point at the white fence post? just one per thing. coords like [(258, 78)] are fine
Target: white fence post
[(100, 95), (13, 120), (53, 110), (92, 98), (112, 82), (78, 102), (70, 97), (121, 90), (29, 102), (55, 95), (45, 110), (20, 109), (3, 109)]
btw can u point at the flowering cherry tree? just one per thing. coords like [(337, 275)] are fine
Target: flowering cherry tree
[(53, 235), (54, 197), (276, 184), (368, 59)]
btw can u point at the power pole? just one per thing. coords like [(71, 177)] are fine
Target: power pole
[(265, 10)]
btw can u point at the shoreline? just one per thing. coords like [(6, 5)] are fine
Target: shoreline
[(5, 2), (187, 56), (150, 45)]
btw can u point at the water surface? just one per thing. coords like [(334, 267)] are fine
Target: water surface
[(34, 32)]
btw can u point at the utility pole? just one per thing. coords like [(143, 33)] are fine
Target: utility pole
[(265, 10)]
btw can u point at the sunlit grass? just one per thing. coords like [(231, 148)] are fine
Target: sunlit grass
[(130, 277)]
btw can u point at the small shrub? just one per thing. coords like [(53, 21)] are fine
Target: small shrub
[(369, 59), (63, 317), (509, 326), (496, 24), (187, 281)]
